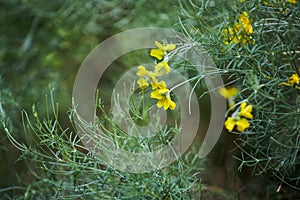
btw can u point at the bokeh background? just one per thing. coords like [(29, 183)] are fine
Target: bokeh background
[(42, 45)]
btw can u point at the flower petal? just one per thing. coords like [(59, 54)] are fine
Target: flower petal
[(156, 95), (143, 83), (160, 103), (163, 65), (245, 111), (172, 104), (166, 67), (142, 71), (159, 85), (228, 92), (166, 104), (229, 123), (159, 93), (157, 53), (294, 79), (159, 45), (242, 124), (169, 47)]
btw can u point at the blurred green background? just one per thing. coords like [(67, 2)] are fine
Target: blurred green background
[(42, 45)]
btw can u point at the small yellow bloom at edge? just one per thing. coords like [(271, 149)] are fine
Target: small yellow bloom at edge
[(294, 79), (292, 1)]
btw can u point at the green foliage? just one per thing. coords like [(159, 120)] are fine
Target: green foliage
[(271, 144), (64, 169), (43, 43)]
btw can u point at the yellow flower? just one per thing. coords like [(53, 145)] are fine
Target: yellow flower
[(294, 79), (245, 111), (164, 65), (241, 124), (161, 50), (229, 36), (143, 83), (159, 93), (292, 1), (245, 22), (164, 100), (228, 92), (161, 84), (154, 74), (157, 53), (142, 71), (240, 32), (229, 124), (238, 118), (167, 47)]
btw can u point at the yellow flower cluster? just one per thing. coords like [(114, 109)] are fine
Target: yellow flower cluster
[(240, 117), (160, 90), (161, 50), (240, 32), (293, 81)]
